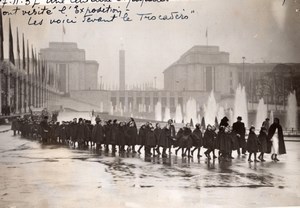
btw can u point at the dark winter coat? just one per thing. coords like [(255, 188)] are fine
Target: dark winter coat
[(209, 139), (98, 134), (197, 138), (252, 143), (239, 128), (131, 135), (164, 139), (263, 145)]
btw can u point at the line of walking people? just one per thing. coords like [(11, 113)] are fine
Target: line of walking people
[(156, 140)]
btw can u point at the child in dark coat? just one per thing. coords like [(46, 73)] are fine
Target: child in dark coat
[(263, 147), (252, 144)]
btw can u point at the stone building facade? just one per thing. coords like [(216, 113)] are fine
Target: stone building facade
[(69, 67)]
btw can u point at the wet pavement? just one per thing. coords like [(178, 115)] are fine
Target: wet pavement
[(36, 175)]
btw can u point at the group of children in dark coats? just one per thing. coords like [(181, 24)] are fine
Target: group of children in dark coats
[(119, 135)]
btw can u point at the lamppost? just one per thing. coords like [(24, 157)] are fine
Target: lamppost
[(243, 78), (155, 82)]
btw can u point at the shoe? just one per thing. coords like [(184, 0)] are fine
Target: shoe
[(262, 160), (276, 159), (272, 157), (249, 160), (199, 156), (256, 160), (215, 157)]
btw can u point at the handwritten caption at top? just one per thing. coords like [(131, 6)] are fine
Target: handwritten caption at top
[(88, 11)]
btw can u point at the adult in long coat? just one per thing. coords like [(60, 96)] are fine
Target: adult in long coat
[(275, 135), (263, 144), (240, 130)]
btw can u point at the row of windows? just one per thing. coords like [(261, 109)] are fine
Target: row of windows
[(139, 100)]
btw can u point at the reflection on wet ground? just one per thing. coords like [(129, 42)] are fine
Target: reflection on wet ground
[(36, 175)]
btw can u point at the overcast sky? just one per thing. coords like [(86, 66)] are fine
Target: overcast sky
[(262, 31)]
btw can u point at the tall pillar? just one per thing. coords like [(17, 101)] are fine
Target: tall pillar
[(22, 94), (0, 93), (122, 69), (8, 88), (25, 94), (16, 93)]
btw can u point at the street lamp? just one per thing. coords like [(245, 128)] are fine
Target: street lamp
[(243, 78), (155, 82)]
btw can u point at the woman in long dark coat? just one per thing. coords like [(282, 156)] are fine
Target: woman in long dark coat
[(262, 139), (252, 144), (197, 139), (275, 135)]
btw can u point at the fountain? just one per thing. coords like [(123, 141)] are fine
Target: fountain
[(221, 113), (167, 115), (292, 112), (158, 113), (240, 105), (101, 107), (261, 113), (111, 112), (191, 110), (210, 109), (230, 115), (130, 107), (199, 118), (178, 114), (271, 117)]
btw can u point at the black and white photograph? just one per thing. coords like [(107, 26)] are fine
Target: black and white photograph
[(149, 103)]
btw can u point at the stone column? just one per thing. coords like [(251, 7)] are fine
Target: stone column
[(16, 94), (0, 93)]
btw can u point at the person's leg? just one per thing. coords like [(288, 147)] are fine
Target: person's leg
[(249, 158), (255, 159)]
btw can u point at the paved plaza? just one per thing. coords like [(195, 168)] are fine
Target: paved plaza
[(36, 175)]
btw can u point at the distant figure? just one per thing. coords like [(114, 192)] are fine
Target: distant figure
[(240, 130), (266, 124), (93, 113), (275, 135)]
